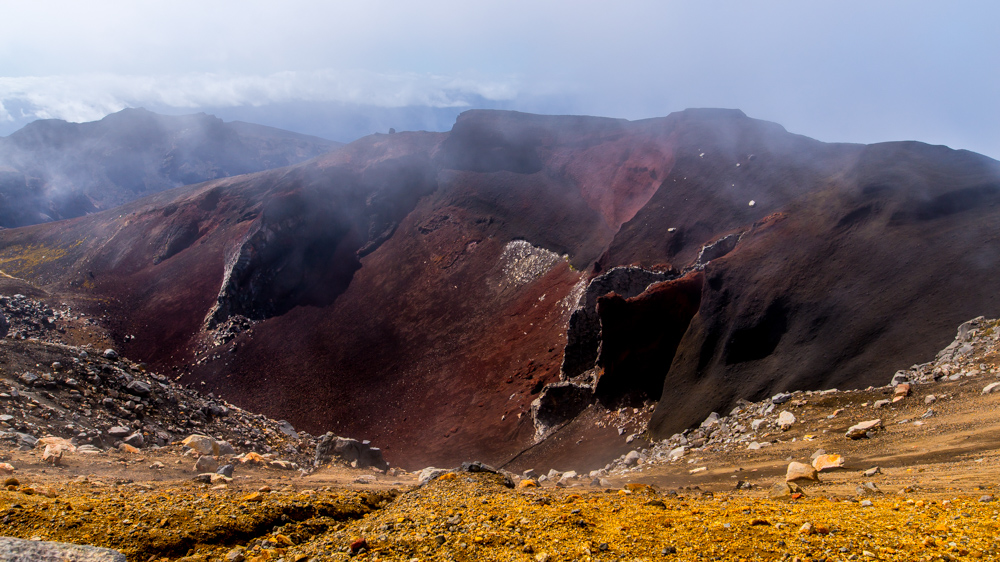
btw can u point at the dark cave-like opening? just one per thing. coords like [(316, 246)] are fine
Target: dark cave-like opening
[(641, 336)]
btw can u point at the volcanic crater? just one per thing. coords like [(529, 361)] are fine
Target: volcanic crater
[(422, 290)]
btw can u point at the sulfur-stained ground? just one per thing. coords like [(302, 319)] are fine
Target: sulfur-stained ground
[(470, 517)]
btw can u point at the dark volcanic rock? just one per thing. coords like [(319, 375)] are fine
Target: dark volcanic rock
[(419, 289), (583, 338), (349, 451), (641, 335)]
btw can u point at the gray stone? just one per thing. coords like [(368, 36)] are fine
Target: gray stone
[(992, 387), (429, 473), (568, 475), (785, 420), (867, 489), (27, 439), (350, 451), (119, 432), (784, 489), (800, 471), (226, 471), (202, 443), (206, 463), (138, 388), (110, 354), (286, 428), (476, 466), (899, 378), (711, 420), (857, 431), (205, 478), (632, 458), (4, 325), (20, 550), (135, 440), (225, 448), (781, 398)]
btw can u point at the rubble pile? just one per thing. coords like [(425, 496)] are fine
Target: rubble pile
[(755, 425), (29, 318), (97, 400)]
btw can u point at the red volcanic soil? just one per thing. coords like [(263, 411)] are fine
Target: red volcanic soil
[(419, 289)]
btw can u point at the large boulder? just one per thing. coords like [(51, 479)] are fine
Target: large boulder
[(203, 444), (21, 550), (800, 471), (350, 451)]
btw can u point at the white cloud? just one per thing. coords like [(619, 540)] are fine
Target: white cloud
[(87, 97)]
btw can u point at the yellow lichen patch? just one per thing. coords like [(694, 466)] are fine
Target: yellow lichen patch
[(23, 261)]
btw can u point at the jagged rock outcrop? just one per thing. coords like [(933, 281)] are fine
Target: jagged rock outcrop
[(583, 336), (348, 451)]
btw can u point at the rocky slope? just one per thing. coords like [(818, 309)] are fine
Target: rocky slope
[(423, 290), (52, 170), (76, 397)]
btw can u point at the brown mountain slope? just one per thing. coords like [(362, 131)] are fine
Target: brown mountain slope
[(420, 289)]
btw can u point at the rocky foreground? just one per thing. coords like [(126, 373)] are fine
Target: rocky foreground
[(784, 479)]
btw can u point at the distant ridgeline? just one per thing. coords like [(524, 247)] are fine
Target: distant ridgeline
[(52, 170)]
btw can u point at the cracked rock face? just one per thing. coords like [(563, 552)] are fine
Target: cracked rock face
[(557, 404), (584, 332)]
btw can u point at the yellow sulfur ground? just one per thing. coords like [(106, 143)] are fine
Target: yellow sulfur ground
[(471, 517)]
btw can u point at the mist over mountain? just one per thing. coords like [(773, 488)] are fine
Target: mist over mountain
[(52, 169), (480, 292)]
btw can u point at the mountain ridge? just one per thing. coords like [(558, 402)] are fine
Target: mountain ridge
[(54, 169)]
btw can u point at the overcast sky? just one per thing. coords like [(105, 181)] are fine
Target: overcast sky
[(859, 71)]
